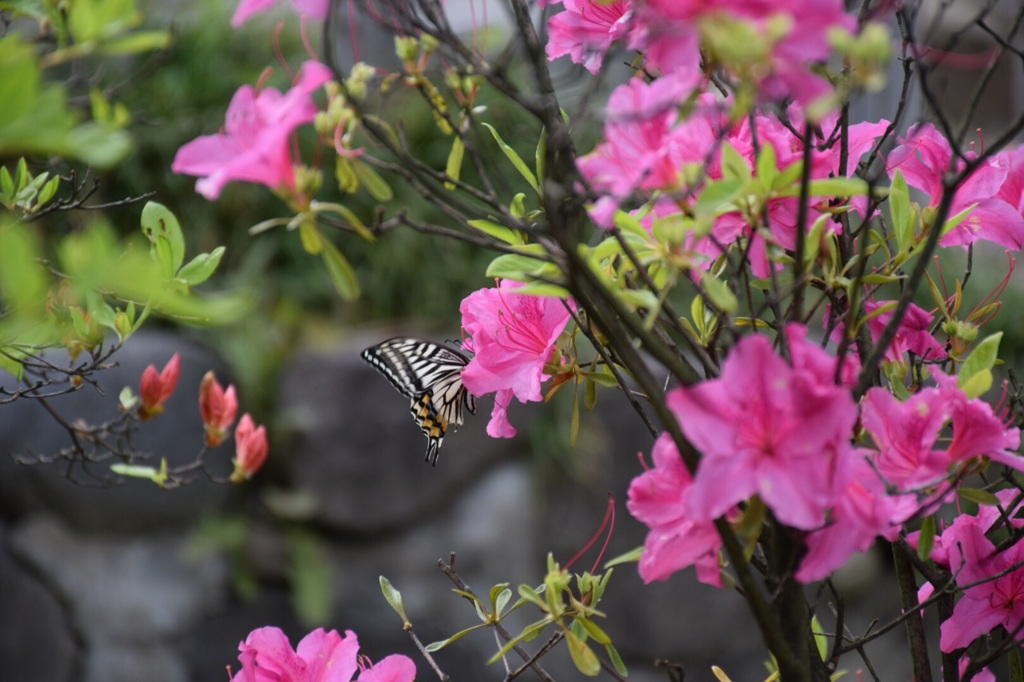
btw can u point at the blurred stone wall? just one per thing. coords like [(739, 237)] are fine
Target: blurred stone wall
[(105, 583)]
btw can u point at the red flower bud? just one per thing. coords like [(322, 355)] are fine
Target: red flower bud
[(250, 449), (156, 388), (218, 409)]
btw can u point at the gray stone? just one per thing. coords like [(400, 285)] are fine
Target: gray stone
[(124, 595), (490, 530), (108, 662), (87, 497), (355, 448), (36, 640)]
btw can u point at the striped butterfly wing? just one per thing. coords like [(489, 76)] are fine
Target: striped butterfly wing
[(429, 375)]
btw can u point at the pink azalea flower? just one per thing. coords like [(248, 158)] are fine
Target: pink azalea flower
[(643, 149), (322, 656), (667, 31), (513, 337), (585, 30), (676, 540), (924, 158), (861, 512), (1012, 189), (906, 433), (914, 334), (765, 428), (977, 431), (998, 602), (311, 9), (254, 146)]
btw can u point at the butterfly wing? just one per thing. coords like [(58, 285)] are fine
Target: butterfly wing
[(429, 375)]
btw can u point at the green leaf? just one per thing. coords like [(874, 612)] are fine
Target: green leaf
[(718, 196), (540, 155), (200, 268), (630, 557), (590, 394), (529, 633), (437, 646), (629, 224), (309, 235), (517, 207), (345, 175), (134, 43), (394, 598), (926, 538), (164, 233), (520, 267), (734, 166), (719, 293), (341, 272), (616, 659), (505, 234), (538, 288), (820, 638), (975, 376), (835, 187), (502, 601), (767, 164), (516, 160), (531, 595), (23, 282), (582, 655), (134, 471), (899, 210), (368, 176), (978, 496), (453, 169), (347, 214), (594, 631)]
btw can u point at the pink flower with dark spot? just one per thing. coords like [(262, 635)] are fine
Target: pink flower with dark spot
[(255, 144), (513, 337)]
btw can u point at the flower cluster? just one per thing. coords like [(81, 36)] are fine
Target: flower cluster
[(217, 407), (781, 38), (322, 656), (783, 431)]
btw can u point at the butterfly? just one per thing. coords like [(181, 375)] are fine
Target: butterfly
[(429, 375)]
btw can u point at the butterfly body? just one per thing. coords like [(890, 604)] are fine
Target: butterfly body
[(430, 375)]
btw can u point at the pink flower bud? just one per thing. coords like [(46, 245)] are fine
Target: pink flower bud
[(156, 388), (250, 449), (218, 409)]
